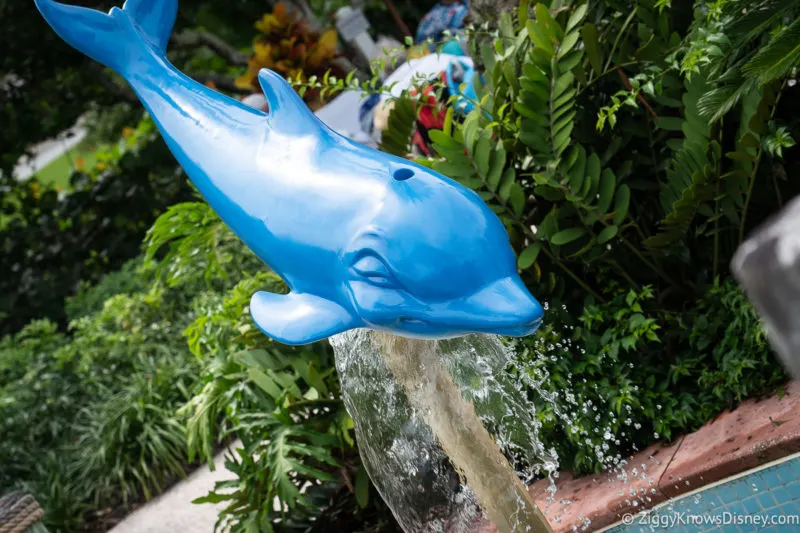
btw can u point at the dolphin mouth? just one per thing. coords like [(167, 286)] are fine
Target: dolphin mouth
[(424, 329), (504, 307)]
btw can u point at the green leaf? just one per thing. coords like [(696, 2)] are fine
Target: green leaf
[(517, 198), (740, 156), (539, 36), (452, 170), (504, 189), (396, 138), (572, 60), (470, 129), (669, 123), (593, 168), (621, 203), (562, 84), (567, 44), (213, 497), (567, 236), (265, 383), (778, 58), (529, 255), (561, 139), (522, 13), (576, 17), (482, 152), (362, 487), (549, 225), (607, 234), (544, 18), (606, 192), (445, 140), (496, 169), (591, 43), (577, 173), (448, 121)]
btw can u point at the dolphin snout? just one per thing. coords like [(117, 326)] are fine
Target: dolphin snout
[(505, 307)]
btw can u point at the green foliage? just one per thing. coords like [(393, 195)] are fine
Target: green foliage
[(622, 388), (628, 149), (52, 240), (283, 403), (629, 152), (89, 421), (401, 124), (727, 325)]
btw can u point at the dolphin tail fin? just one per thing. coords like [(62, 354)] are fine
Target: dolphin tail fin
[(296, 318), (117, 37)]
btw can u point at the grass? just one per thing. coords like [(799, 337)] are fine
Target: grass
[(57, 172)]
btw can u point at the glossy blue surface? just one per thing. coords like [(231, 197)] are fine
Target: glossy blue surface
[(362, 238)]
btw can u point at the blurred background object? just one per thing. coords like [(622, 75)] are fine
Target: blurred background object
[(768, 266), (20, 513)]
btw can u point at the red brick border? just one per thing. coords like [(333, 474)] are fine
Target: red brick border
[(757, 432)]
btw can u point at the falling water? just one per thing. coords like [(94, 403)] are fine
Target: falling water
[(406, 462)]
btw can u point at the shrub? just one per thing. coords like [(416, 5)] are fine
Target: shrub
[(629, 149), (606, 385), (51, 240), (89, 420), (282, 402)]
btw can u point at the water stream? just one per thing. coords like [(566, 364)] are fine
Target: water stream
[(405, 461)]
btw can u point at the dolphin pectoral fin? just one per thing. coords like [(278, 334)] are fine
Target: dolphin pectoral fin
[(287, 111), (296, 318)]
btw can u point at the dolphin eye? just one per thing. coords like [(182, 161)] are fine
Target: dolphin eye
[(374, 271)]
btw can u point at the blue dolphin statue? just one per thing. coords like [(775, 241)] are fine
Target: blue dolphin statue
[(362, 238)]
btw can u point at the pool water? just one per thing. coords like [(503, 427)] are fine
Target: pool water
[(765, 499)]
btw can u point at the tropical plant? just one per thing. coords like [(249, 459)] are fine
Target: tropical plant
[(89, 419), (53, 240), (602, 140), (282, 403), (287, 45)]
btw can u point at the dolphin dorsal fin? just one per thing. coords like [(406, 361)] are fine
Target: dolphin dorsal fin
[(288, 112)]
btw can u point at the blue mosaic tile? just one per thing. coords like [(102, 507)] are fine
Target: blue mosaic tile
[(787, 508), (770, 478), (765, 499), (728, 496), (749, 505), (740, 489), (794, 490), (773, 491), (785, 475), (781, 494)]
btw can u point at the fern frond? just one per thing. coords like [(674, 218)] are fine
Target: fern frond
[(396, 138), (778, 58), (717, 102), (759, 18), (688, 182)]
